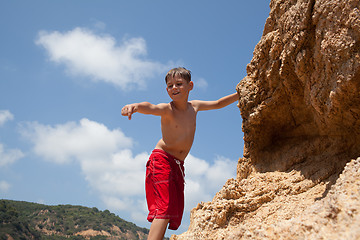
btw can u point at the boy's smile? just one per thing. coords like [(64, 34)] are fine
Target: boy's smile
[(178, 87)]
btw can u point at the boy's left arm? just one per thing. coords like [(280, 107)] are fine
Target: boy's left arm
[(220, 103)]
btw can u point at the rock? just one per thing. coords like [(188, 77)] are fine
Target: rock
[(300, 104)]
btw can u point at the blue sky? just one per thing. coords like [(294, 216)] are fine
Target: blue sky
[(68, 67)]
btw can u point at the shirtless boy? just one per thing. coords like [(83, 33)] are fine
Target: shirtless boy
[(165, 171)]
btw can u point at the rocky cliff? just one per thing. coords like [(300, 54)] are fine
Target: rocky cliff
[(300, 103)]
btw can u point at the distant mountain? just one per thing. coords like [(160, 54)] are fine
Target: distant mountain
[(24, 220)]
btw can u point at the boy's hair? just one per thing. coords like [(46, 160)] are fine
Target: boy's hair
[(179, 71)]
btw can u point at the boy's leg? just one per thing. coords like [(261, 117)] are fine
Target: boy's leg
[(158, 229)]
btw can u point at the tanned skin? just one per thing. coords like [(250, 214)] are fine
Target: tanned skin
[(178, 125)]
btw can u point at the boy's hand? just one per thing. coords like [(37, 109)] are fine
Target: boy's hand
[(128, 110)]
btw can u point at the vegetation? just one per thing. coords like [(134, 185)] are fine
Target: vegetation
[(24, 220)]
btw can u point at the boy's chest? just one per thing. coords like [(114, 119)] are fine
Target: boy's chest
[(182, 123)]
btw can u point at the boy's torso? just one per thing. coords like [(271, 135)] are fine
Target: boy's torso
[(178, 131)]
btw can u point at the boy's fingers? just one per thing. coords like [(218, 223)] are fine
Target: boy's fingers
[(124, 111), (130, 112)]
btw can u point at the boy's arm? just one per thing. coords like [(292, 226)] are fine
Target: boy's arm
[(220, 103), (145, 108)]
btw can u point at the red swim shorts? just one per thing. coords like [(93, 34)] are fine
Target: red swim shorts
[(164, 186)]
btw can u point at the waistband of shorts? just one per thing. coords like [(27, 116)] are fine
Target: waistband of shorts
[(156, 150)]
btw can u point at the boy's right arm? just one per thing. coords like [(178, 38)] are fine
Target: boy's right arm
[(145, 108)]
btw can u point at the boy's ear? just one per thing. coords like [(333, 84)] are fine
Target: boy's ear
[(191, 85)]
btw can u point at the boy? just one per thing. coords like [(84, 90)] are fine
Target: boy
[(164, 182)]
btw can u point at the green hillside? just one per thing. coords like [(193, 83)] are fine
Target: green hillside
[(24, 220)]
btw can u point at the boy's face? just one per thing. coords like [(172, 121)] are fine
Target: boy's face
[(178, 88)]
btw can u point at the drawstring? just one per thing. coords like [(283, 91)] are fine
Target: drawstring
[(179, 164), (182, 173)]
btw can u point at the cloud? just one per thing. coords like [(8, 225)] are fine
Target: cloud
[(201, 83), (99, 57), (203, 179), (5, 116), (123, 174), (113, 171), (4, 186), (9, 156), (75, 141), (104, 156)]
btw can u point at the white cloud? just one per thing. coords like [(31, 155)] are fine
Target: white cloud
[(221, 171), (5, 115), (203, 180), (120, 174), (116, 203), (201, 83), (84, 140), (4, 186), (104, 156), (9, 156), (111, 169), (100, 57), (99, 25)]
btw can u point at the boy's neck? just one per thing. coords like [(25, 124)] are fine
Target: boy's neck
[(180, 105)]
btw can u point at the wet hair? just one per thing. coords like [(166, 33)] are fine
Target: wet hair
[(180, 72)]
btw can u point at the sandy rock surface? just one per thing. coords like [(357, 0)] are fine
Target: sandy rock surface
[(300, 104)]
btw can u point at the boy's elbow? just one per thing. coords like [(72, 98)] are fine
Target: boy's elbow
[(219, 105)]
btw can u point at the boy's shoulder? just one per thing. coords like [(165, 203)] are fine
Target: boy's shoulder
[(164, 107), (195, 104)]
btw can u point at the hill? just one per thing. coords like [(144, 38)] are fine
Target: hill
[(25, 220)]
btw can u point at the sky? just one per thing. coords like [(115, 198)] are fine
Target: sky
[(68, 67)]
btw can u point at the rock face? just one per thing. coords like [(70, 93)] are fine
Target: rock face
[(300, 103)]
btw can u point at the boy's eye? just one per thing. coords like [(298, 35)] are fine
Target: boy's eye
[(178, 84)]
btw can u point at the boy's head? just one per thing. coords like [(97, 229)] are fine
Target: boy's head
[(179, 72)]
